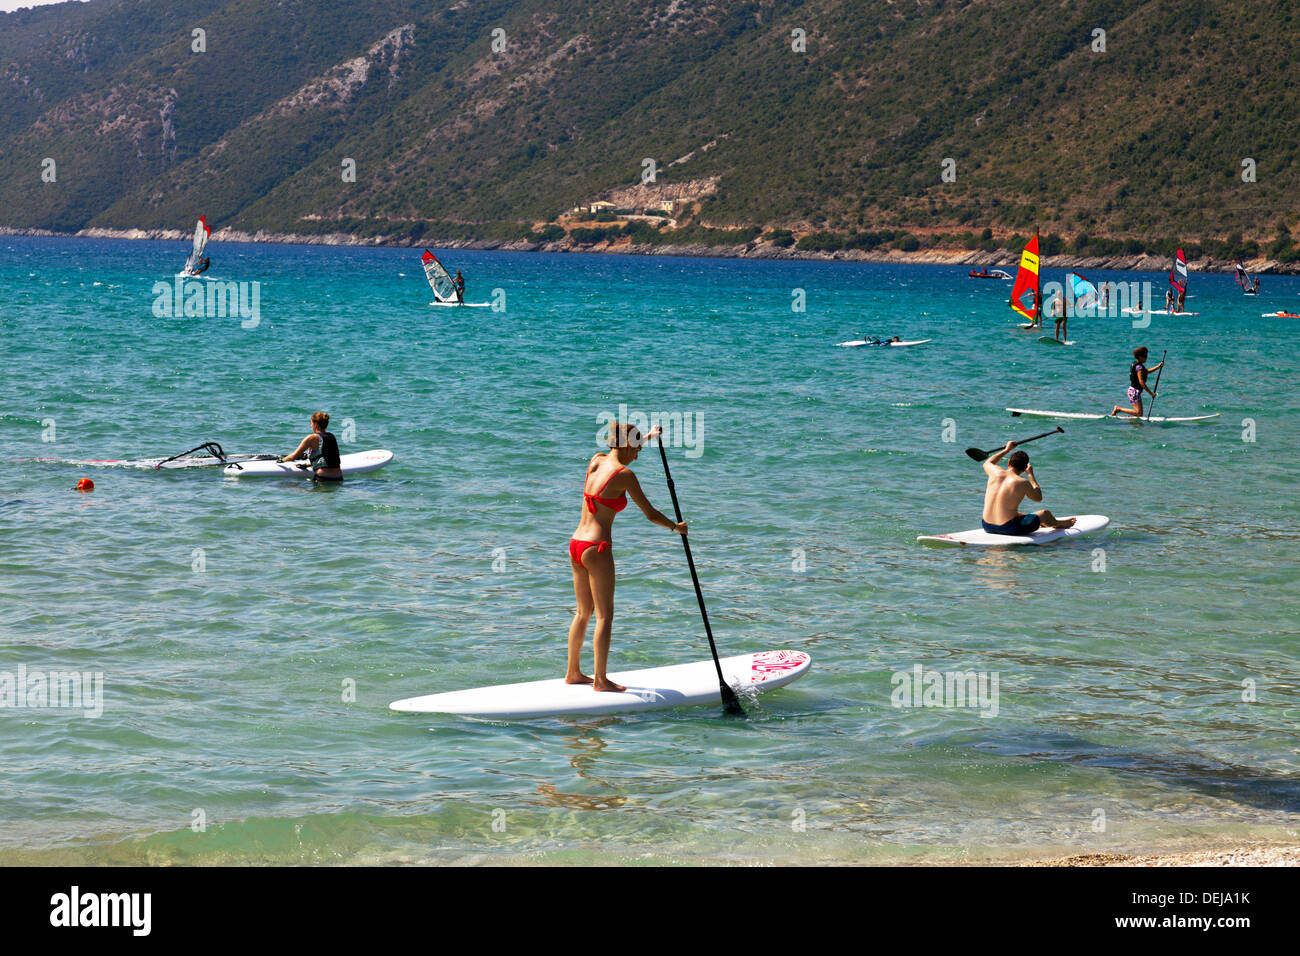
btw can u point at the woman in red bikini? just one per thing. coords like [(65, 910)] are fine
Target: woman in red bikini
[(590, 554)]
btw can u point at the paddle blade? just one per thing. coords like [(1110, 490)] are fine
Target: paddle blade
[(730, 702), (976, 454)]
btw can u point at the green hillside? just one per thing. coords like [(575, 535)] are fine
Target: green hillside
[(1143, 142)]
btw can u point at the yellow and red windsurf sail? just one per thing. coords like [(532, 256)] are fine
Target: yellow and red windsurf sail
[(1025, 294)]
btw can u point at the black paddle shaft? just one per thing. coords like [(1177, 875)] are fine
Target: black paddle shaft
[(979, 455), (729, 699), (1155, 392)]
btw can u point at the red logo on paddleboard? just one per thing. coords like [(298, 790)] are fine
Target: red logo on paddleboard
[(770, 663)]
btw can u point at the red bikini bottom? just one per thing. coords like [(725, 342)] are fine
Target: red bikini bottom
[(576, 548)]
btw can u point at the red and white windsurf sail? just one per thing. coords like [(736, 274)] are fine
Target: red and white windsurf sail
[(440, 281), (1178, 272)]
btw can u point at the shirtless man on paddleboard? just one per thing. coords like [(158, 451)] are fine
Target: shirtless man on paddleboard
[(1008, 487)]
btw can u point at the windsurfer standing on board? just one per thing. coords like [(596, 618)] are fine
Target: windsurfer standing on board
[(590, 555), (1058, 313), (1009, 486), (459, 284), (1137, 383)]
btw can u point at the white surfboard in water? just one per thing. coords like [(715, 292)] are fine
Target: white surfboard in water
[(858, 343), (1095, 416), (354, 464), (678, 685), (979, 538)]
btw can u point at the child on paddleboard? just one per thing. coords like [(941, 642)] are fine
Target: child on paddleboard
[(591, 557), (1137, 383), (320, 449), (1006, 489)]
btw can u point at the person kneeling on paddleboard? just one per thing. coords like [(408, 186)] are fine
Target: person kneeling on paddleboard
[(1137, 383), (320, 449), (590, 556), (1009, 486)]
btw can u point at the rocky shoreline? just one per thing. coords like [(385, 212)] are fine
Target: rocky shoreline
[(758, 249)]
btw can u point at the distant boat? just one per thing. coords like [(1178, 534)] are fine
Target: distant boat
[(1027, 282), (1249, 285), (990, 274), (198, 263), (440, 280)]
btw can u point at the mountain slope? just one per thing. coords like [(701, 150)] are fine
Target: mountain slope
[(1144, 139)]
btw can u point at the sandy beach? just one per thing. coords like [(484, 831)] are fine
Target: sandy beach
[(1237, 856)]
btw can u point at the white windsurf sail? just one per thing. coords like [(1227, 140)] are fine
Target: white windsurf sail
[(201, 233), (1246, 280), (440, 281)]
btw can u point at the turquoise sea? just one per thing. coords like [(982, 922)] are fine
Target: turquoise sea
[(251, 634)]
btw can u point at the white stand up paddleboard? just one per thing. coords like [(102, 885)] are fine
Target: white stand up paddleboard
[(857, 343), (1156, 312), (354, 464), (979, 538), (463, 305), (1082, 416), (678, 685)]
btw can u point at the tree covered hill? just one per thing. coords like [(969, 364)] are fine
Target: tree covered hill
[(485, 118)]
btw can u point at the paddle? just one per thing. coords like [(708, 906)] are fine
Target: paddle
[(729, 700), (978, 455), (1155, 392)]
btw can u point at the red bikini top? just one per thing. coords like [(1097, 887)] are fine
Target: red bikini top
[(614, 504)]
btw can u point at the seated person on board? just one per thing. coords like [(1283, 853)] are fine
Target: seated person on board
[(1009, 486)]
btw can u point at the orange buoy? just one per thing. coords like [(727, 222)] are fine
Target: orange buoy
[(85, 484)]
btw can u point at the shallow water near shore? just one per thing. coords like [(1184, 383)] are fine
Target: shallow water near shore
[(251, 634)]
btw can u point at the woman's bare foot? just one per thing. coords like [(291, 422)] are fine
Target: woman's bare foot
[(578, 678), (607, 685)]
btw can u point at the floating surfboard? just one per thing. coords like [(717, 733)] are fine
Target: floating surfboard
[(856, 343), (1082, 416), (678, 685), (1156, 312), (978, 538), (463, 305), (1048, 340), (1280, 315), (165, 464), (354, 464)]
